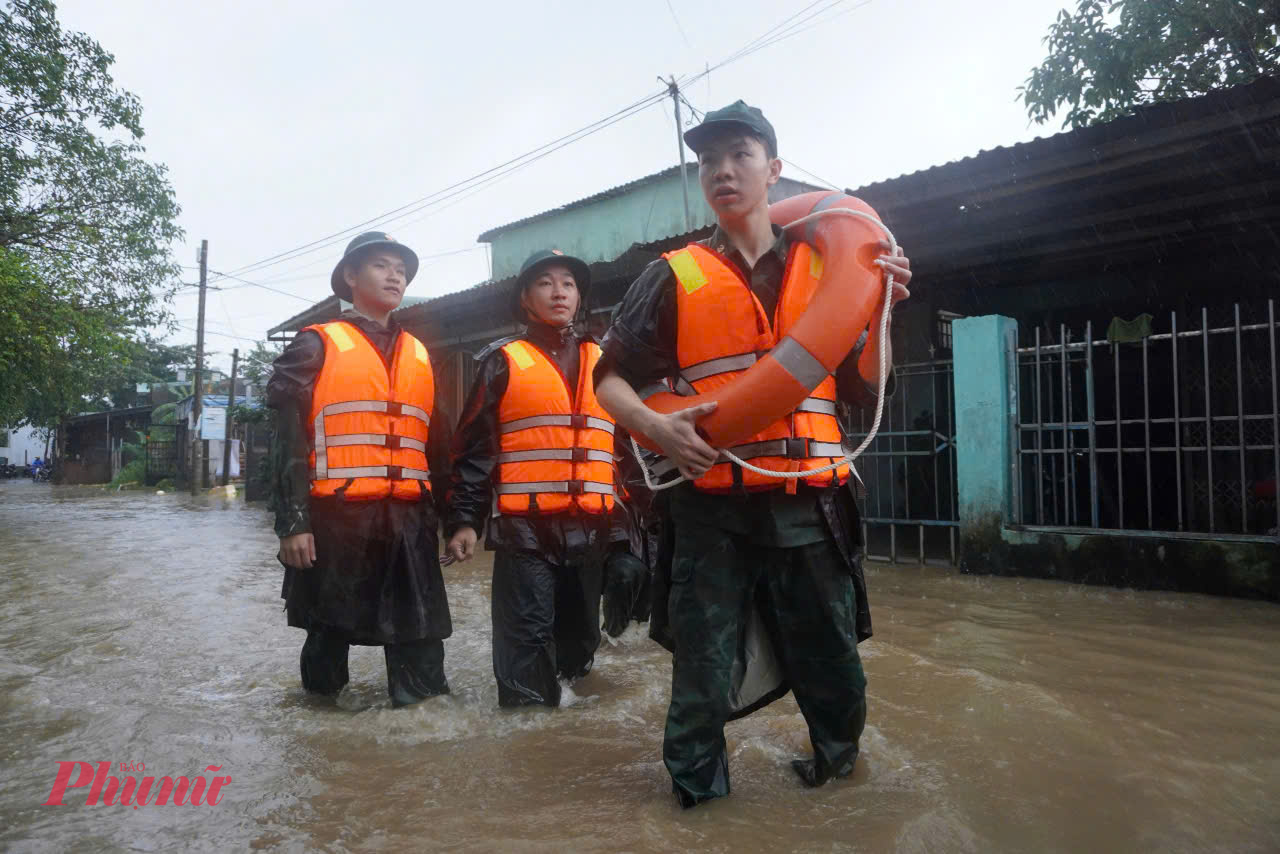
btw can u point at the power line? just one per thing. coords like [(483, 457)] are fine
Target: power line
[(264, 287), (742, 50), (790, 26), (470, 188), (794, 165), (697, 114), (487, 175), (285, 275), (223, 302), (797, 28), (220, 334), (793, 25), (676, 18)]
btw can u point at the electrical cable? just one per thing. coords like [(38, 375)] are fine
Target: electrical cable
[(209, 331), (679, 26), (259, 285), (741, 51), (409, 208)]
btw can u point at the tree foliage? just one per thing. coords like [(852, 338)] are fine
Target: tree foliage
[(1108, 58), (85, 221), (51, 354), (257, 363), (144, 360)]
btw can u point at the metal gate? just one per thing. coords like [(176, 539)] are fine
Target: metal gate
[(910, 506), (162, 460), (1176, 430)]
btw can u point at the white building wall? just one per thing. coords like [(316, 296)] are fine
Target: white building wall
[(25, 444)]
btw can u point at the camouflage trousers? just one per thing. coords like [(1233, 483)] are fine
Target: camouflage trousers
[(806, 599)]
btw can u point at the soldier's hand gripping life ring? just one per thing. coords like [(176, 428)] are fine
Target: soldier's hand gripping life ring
[(839, 312)]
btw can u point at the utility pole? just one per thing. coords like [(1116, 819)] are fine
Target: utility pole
[(231, 402), (674, 90), (199, 450)]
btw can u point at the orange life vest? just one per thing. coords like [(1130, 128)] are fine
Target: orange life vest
[(369, 422), (556, 446), (721, 331)]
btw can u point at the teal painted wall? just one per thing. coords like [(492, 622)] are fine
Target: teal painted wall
[(985, 399), (603, 230)]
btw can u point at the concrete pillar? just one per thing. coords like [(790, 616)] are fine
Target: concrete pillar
[(984, 354)]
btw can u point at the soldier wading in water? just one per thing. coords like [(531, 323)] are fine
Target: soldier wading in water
[(355, 505), (533, 459), (759, 571)]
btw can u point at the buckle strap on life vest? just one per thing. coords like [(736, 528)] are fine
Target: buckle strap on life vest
[(817, 405), (572, 487), (390, 407), (577, 422), (575, 455), (377, 439), (389, 472), (791, 449)]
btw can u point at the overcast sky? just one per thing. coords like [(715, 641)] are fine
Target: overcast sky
[(284, 122)]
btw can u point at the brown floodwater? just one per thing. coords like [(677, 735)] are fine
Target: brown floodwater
[(1005, 714)]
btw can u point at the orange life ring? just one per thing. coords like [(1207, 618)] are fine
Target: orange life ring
[(842, 307)]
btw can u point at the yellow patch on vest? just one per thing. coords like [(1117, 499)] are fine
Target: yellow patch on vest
[(815, 264), (687, 271), (420, 352), (338, 334), (520, 353)]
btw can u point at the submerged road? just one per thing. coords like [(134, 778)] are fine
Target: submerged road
[(1005, 714)]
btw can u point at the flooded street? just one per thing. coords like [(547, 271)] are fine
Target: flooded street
[(1005, 715)]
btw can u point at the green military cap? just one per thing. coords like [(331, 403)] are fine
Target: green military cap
[(738, 115), (364, 241)]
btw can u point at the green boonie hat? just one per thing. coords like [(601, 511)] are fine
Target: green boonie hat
[(543, 258), (365, 241), (737, 115)]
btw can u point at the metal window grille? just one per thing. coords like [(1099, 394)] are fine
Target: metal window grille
[(942, 330), (910, 468), (1178, 432)]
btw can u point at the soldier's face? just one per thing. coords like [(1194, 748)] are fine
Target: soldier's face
[(552, 297), (378, 283), (736, 173)]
